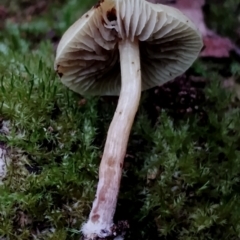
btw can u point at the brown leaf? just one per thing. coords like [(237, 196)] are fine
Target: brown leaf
[(3, 16), (3, 13), (23, 219), (36, 9), (82, 102), (233, 85), (215, 45)]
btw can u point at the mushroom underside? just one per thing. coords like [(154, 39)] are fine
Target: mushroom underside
[(89, 64)]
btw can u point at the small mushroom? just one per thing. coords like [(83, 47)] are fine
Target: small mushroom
[(122, 47)]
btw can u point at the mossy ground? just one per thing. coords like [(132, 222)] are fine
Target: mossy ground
[(182, 171)]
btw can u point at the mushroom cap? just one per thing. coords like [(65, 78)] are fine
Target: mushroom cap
[(87, 58)]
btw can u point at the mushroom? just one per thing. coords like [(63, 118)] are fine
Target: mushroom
[(122, 47)]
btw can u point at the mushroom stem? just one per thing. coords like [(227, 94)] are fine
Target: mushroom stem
[(100, 220)]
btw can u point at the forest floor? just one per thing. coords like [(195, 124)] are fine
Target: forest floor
[(181, 177)]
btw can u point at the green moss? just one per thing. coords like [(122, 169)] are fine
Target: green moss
[(54, 162), (55, 145)]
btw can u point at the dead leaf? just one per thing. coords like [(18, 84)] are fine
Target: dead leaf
[(23, 219), (3, 163), (215, 45), (3, 12), (233, 85), (82, 102), (36, 8), (152, 174), (3, 16)]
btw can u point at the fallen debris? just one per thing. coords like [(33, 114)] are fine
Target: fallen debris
[(214, 45), (4, 129)]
